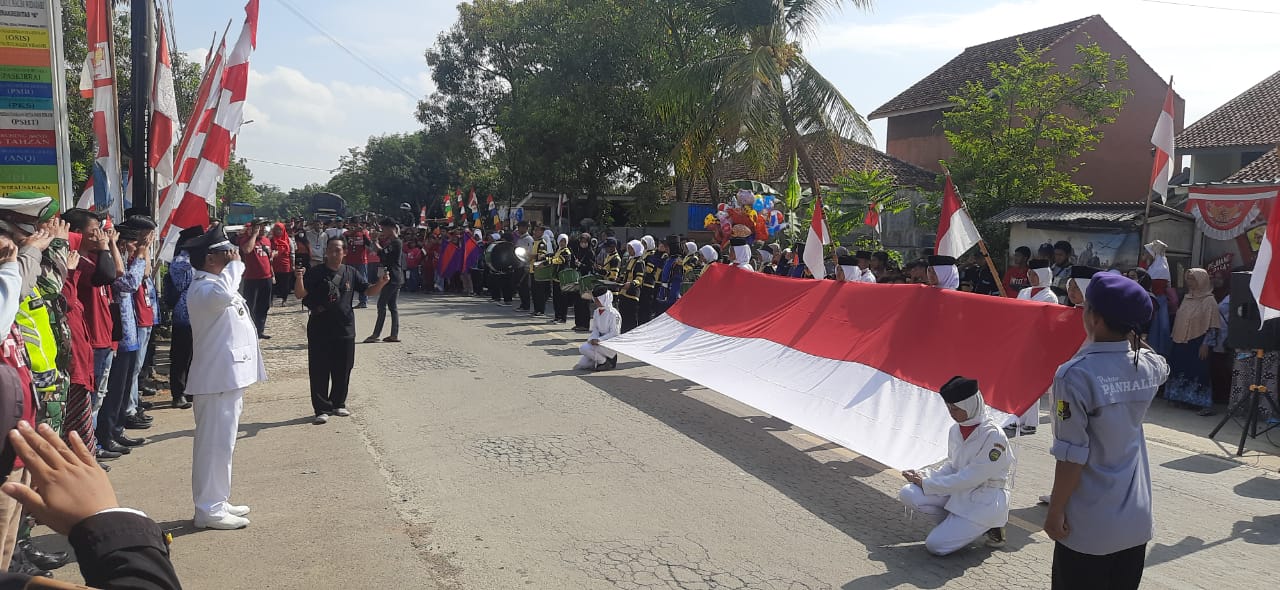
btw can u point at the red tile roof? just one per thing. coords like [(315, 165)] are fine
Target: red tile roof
[(1250, 119), (936, 89)]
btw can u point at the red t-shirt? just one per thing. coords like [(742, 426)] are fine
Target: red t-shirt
[(257, 265), (142, 305), (13, 352), (357, 247), (97, 305), (283, 262), (413, 257), (1015, 280), (81, 368)]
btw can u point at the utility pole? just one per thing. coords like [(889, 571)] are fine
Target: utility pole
[(143, 62)]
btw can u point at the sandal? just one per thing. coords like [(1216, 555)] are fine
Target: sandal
[(390, 339), (371, 340)]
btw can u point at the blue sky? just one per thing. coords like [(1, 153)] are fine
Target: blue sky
[(310, 101)]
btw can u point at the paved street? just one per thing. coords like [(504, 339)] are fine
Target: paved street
[(477, 459)]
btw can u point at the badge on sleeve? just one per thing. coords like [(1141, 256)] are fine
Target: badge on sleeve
[(1064, 410), (994, 455)]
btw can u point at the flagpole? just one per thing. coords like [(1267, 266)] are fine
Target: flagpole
[(140, 18), (982, 243), (1146, 217)]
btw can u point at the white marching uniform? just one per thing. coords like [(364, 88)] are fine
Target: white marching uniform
[(606, 323), (867, 276), (1031, 418), (225, 361), (968, 494)]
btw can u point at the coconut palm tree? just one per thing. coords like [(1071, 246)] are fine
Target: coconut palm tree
[(762, 93)]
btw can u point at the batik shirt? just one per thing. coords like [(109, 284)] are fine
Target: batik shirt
[(180, 274), (125, 288)]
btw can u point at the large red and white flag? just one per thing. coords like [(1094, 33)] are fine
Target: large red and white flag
[(873, 216), (1162, 139), (164, 112), (819, 236), (956, 231), (865, 381), (1265, 282), (98, 82), (215, 156)]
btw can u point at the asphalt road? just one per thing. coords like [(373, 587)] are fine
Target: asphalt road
[(477, 459)]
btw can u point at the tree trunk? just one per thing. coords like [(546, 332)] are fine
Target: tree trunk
[(802, 150), (713, 183)]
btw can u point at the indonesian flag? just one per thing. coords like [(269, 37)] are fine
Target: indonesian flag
[(562, 207), (818, 237), (215, 156), (474, 205), (98, 82), (1162, 138), (164, 113), (866, 381), (956, 232), (422, 216), (1265, 282), (873, 216)]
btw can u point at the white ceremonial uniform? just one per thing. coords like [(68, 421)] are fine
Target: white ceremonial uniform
[(606, 322), (867, 276), (225, 361), (1031, 418), (969, 492), (851, 273)]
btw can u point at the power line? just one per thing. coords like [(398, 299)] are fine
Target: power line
[(304, 167), (1226, 8), (368, 64)]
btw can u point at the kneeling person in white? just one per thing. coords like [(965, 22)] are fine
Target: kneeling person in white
[(968, 494), (225, 362), (606, 323)]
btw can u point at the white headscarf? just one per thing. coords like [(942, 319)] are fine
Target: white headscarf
[(948, 276), (548, 241), (562, 240), (648, 242), (708, 253), (479, 236), (635, 247), (852, 274), (606, 302), (496, 236), (1045, 276), (974, 407), (690, 247), (742, 255)]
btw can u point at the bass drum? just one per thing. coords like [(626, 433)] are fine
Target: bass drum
[(689, 279), (501, 257)]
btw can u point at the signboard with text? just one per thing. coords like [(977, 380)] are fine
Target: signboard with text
[(33, 119)]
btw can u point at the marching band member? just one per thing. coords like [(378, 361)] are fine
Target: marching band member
[(584, 259), (741, 254), (612, 261), (670, 275), (632, 279), (538, 259), (968, 494), (562, 259), (649, 282), (605, 324)]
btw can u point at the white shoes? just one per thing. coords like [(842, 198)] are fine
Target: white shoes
[(229, 522), (321, 419), (234, 510), (1045, 499), (342, 412)]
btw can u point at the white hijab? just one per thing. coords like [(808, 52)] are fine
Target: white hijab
[(606, 302), (635, 247), (742, 256), (547, 241), (974, 407), (948, 276), (648, 242), (708, 253), (1045, 276), (690, 247), (562, 240)]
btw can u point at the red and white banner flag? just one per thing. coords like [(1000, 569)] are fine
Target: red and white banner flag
[(819, 236), (1162, 139), (956, 231), (164, 112), (98, 82), (866, 381), (1265, 282), (215, 156), (873, 217)]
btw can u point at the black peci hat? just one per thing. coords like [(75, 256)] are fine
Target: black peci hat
[(958, 389), (936, 260), (1037, 264)]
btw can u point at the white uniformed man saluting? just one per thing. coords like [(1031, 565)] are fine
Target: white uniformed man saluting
[(225, 362), (1100, 508), (969, 493)]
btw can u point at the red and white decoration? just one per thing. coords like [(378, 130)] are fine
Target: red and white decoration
[(866, 381), (956, 231), (1225, 212), (1265, 282), (873, 216), (98, 82), (164, 112), (819, 236), (1162, 139)]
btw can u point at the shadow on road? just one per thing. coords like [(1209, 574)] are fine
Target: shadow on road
[(1206, 464), (830, 490), (250, 429), (1262, 530)]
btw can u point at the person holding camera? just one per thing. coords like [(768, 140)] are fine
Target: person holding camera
[(327, 291), (255, 251)]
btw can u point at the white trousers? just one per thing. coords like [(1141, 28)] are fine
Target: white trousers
[(1031, 417), (592, 355), (953, 532), (217, 422)]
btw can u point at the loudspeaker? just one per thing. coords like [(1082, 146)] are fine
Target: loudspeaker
[(1242, 326)]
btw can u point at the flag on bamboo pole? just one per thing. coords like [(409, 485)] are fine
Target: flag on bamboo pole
[(956, 231), (474, 205), (873, 216), (98, 82), (819, 236), (164, 112), (215, 156), (1162, 139)]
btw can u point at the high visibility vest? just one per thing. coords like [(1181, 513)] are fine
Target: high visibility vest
[(35, 321)]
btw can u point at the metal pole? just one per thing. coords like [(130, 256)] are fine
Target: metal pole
[(140, 18)]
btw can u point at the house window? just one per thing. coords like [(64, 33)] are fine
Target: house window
[(1247, 158)]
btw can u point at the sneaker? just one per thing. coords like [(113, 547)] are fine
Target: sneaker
[(391, 339), (234, 510), (320, 419), (229, 522), (343, 412), (995, 538), (1045, 498), (1027, 430)]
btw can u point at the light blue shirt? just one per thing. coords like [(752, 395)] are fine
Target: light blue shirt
[(1100, 398)]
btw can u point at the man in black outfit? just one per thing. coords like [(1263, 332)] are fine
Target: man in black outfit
[(390, 251), (327, 290)]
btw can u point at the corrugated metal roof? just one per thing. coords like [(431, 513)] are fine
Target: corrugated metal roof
[(1081, 212)]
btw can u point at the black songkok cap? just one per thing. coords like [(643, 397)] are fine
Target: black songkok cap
[(942, 261), (959, 389), (1037, 264)]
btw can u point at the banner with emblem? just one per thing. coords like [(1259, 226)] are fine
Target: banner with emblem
[(1223, 213), (866, 381)]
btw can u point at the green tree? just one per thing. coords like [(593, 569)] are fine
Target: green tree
[(845, 207), (237, 185), (763, 91), (1020, 138)]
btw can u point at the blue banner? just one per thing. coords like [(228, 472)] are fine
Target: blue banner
[(28, 156), (26, 90)]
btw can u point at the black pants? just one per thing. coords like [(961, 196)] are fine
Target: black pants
[(560, 300), (541, 290), (521, 278), (646, 305), (329, 363), (179, 359), (1121, 570), (257, 296), (284, 286), (495, 281), (630, 310), (478, 281), (581, 311), (388, 299), (115, 405)]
